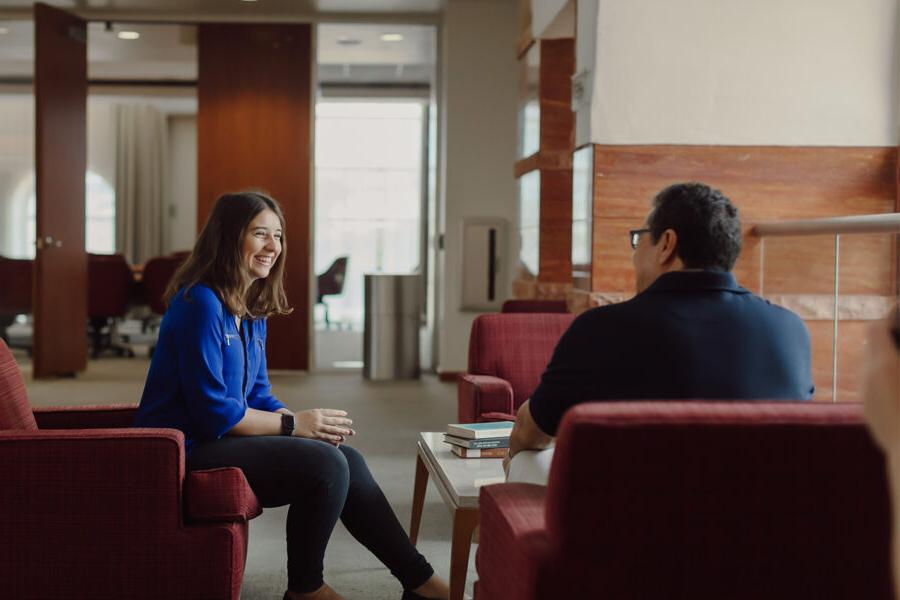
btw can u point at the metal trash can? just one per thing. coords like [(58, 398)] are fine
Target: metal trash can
[(391, 330)]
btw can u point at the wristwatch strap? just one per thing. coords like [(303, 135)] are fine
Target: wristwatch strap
[(287, 424)]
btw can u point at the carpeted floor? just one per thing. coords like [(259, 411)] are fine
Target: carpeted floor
[(387, 417)]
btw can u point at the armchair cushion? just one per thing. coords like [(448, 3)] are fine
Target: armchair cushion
[(511, 521), (220, 495), (480, 394)]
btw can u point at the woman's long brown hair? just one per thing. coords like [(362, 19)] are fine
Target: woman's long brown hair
[(216, 259)]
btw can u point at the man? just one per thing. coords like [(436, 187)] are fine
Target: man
[(690, 333)]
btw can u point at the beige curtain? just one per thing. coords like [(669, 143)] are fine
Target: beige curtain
[(141, 181)]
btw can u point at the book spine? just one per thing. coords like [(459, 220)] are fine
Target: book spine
[(474, 453), (478, 444), (488, 444)]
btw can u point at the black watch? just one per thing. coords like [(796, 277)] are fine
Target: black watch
[(287, 424)]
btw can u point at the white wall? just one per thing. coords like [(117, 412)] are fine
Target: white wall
[(16, 169), (801, 72), (479, 79), (182, 190)]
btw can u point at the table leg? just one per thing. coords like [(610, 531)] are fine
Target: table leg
[(418, 499), (464, 523)]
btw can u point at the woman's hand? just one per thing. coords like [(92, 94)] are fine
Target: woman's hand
[(326, 424)]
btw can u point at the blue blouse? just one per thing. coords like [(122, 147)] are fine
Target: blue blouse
[(203, 376)]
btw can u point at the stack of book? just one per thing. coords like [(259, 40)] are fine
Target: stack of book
[(479, 440)]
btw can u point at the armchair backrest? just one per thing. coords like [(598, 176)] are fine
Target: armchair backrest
[(534, 306), (15, 293), (15, 412), (158, 271), (749, 500), (515, 347), (110, 285)]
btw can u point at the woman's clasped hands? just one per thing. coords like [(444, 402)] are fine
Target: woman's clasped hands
[(326, 424)]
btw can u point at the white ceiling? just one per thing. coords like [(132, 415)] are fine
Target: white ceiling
[(229, 8), (169, 52)]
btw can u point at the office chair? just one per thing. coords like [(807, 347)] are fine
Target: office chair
[(331, 283), (110, 288), (15, 291)]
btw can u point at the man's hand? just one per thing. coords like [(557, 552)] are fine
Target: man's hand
[(326, 424), (526, 435)]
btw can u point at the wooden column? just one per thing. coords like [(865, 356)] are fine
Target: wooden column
[(553, 160), (60, 274), (253, 130)]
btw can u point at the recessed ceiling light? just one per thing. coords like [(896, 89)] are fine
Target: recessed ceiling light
[(128, 35), (391, 37), (348, 41)]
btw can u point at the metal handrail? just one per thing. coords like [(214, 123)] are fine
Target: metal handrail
[(881, 223), (833, 226)]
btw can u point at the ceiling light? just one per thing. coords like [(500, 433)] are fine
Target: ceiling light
[(348, 41), (3, 30), (128, 35), (391, 37)]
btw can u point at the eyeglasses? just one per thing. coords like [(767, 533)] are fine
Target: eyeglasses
[(635, 235)]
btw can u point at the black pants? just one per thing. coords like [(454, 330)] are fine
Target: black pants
[(321, 483)]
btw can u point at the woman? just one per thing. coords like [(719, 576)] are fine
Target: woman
[(215, 325)]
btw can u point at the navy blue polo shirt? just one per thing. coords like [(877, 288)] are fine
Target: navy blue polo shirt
[(689, 335), (204, 373)]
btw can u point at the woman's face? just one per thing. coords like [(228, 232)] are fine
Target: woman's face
[(261, 244)]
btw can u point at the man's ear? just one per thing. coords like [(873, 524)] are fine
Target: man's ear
[(665, 247)]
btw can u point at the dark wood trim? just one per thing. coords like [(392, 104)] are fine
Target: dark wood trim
[(60, 267)]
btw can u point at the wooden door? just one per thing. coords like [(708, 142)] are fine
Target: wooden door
[(60, 274), (254, 91)]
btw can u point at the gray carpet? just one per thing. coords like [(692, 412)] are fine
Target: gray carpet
[(387, 417)]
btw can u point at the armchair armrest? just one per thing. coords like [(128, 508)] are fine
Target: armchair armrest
[(85, 417), (220, 495), (86, 480), (513, 547), (480, 394)]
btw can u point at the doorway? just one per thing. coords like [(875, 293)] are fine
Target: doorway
[(371, 173)]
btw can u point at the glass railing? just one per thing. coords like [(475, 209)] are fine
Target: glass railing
[(838, 274)]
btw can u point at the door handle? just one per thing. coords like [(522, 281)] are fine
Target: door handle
[(48, 241)]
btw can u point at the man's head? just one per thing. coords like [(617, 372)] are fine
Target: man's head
[(691, 226)]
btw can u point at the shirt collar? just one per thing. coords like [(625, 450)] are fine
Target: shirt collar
[(689, 281)]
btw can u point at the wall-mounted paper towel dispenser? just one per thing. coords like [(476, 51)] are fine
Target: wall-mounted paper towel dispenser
[(483, 270)]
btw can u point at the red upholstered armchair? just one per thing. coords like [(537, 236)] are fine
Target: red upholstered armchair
[(92, 508), (507, 354), (695, 500)]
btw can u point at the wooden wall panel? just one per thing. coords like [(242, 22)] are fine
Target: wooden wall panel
[(767, 183), (555, 156), (254, 91), (555, 95), (60, 276)]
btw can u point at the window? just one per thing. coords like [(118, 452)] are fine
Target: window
[(368, 194), (100, 216)]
